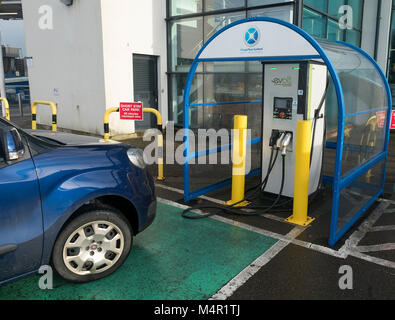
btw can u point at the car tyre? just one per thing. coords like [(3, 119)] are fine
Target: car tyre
[(93, 245)]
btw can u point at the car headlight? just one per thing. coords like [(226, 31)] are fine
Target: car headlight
[(136, 156)]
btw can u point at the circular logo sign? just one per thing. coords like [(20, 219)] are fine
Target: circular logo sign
[(251, 37)]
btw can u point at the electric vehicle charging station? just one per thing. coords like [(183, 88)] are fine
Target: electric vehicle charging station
[(292, 92), (341, 81)]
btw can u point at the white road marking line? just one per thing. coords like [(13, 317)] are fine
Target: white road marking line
[(254, 267), (351, 245), (371, 259), (382, 228), (233, 222), (268, 216), (385, 200), (285, 238), (376, 248), (228, 290), (315, 247), (182, 192), (357, 236), (346, 250), (273, 217)]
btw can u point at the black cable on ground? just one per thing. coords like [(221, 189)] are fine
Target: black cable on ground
[(232, 210)]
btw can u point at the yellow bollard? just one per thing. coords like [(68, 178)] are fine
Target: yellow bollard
[(107, 122), (7, 108), (239, 162), (302, 174), (160, 141), (54, 114)]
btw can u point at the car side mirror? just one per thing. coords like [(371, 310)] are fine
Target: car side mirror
[(12, 144)]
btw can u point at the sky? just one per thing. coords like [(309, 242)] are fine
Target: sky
[(13, 34)]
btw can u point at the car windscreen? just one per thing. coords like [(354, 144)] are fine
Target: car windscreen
[(37, 145)]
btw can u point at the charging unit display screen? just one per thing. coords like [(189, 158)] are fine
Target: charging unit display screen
[(291, 92), (282, 108)]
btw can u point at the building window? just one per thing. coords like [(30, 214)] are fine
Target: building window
[(185, 7), (339, 20), (191, 23)]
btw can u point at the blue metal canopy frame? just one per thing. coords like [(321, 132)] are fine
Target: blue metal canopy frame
[(339, 183)]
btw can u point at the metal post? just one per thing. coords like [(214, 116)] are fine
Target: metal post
[(6, 108), (107, 122), (2, 77), (20, 104), (54, 114), (160, 141), (239, 161), (302, 174)]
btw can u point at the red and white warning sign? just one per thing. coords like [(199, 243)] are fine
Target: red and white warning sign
[(131, 111), (380, 118), (381, 115)]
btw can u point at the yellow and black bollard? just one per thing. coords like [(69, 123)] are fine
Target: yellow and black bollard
[(302, 174), (7, 108), (54, 114), (160, 137), (107, 122), (239, 161), (160, 141)]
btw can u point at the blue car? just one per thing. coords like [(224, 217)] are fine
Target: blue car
[(70, 201)]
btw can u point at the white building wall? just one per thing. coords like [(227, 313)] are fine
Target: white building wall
[(132, 27), (67, 65), (85, 62)]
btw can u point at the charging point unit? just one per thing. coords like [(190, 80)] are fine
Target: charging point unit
[(292, 92)]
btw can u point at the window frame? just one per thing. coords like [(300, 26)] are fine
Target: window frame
[(328, 16), (245, 8)]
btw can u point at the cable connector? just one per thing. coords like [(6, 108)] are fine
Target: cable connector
[(280, 140), (285, 142)]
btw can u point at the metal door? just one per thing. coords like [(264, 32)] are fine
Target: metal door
[(145, 79)]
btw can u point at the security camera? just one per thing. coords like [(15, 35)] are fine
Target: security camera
[(67, 2)]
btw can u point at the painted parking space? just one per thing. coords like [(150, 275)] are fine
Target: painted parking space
[(173, 259)]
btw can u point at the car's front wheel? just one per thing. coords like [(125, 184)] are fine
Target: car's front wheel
[(93, 245)]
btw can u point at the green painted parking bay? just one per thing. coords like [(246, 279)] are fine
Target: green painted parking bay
[(174, 258)]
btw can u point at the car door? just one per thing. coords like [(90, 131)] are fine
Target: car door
[(21, 227)]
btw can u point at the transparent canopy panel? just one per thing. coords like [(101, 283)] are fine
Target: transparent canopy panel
[(362, 84), (365, 103), (365, 117)]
